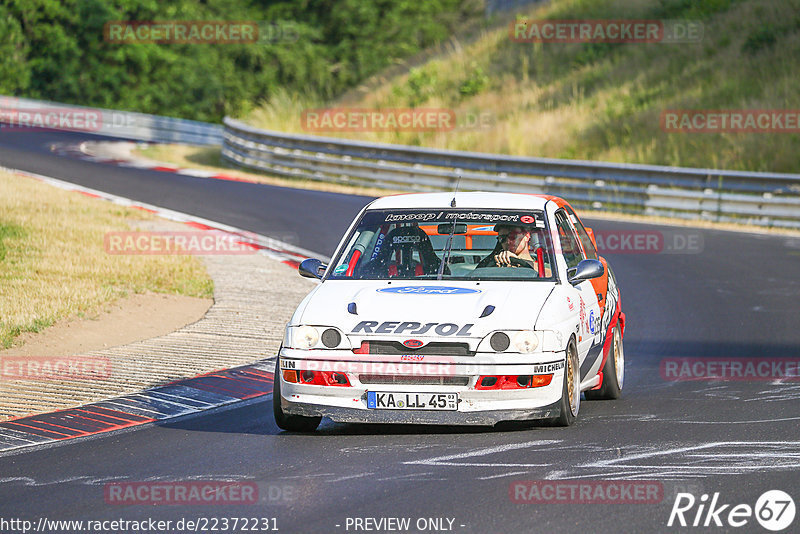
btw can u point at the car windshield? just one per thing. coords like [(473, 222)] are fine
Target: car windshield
[(411, 244)]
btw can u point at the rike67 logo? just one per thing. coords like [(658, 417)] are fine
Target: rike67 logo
[(774, 510)]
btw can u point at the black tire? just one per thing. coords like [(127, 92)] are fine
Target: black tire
[(571, 389), (292, 423), (613, 371)]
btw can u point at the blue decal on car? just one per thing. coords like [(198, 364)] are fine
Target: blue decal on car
[(428, 290)]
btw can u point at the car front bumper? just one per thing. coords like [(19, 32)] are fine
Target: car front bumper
[(423, 417), (475, 406)]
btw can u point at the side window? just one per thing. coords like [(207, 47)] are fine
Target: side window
[(583, 235), (569, 243)]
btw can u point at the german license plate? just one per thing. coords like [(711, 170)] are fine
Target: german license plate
[(377, 400)]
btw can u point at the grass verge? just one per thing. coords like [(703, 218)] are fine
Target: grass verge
[(53, 264)]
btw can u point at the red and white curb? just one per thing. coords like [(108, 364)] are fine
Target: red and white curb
[(271, 247), (82, 151), (176, 399), (193, 395)]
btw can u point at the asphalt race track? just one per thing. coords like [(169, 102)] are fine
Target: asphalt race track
[(735, 297)]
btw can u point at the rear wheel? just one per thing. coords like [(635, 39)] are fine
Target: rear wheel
[(292, 423), (613, 371), (571, 390)]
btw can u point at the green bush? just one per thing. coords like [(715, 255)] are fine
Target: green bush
[(763, 37), (476, 81)]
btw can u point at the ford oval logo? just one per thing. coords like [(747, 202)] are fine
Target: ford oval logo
[(412, 343), (428, 290)]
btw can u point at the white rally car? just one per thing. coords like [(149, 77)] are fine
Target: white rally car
[(466, 308)]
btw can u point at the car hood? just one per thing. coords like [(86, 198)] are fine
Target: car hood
[(380, 303)]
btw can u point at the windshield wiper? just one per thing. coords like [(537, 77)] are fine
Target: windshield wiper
[(449, 246), (447, 249)]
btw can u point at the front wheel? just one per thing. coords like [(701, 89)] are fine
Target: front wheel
[(571, 390), (292, 423), (613, 371)]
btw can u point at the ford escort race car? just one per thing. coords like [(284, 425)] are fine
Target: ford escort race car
[(471, 308)]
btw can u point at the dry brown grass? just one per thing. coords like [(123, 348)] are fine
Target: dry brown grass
[(601, 102), (53, 264)]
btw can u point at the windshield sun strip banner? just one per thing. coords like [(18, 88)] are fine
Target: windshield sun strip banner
[(530, 217)]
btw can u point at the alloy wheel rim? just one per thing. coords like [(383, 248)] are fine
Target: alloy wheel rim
[(571, 389)]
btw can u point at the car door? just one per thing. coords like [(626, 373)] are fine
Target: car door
[(600, 284), (588, 307)]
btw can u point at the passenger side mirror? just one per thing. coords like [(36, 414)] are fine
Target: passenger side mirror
[(586, 270), (312, 268)]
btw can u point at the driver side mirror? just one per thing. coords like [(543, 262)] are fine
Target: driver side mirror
[(586, 270), (312, 268)]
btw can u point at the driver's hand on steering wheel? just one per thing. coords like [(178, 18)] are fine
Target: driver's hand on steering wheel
[(503, 259), (509, 259)]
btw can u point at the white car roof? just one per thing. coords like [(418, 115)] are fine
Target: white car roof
[(470, 199)]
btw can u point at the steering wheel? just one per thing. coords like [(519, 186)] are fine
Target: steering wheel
[(520, 263)]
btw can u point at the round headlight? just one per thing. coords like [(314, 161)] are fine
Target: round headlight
[(306, 337), (331, 338), (525, 341), (499, 341)]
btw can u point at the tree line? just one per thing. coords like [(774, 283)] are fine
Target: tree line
[(59, 50)]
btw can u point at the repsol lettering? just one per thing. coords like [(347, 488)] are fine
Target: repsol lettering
[(412, 328)]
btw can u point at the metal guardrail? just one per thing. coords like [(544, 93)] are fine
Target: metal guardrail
[(23, 112), (763, 199)]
